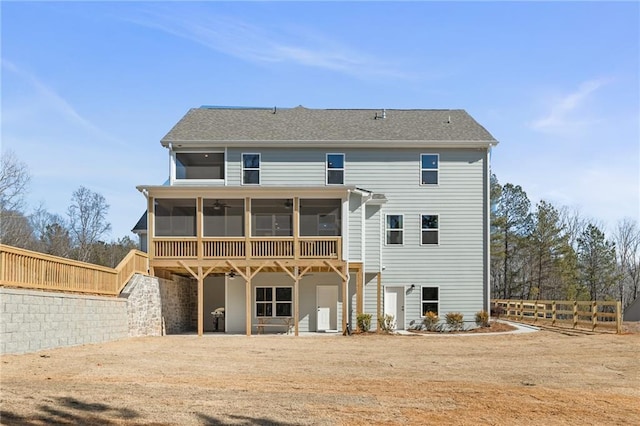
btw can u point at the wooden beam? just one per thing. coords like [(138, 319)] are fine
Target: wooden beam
[(345, 305), (184, 265), (277, 262), (150, 231), (336, 270), (248, 301), (379, 302), (247, 228), (255, 272), (199, 223), (296, 228), (247, 277), (200, 302), (296, 300), (304, 271), (206, 274)]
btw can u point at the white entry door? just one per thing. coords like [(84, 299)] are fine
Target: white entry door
[(327, 305), (394, 305)]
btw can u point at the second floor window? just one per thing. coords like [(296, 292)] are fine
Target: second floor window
[(429, 169), (430, 229), (251, 169), (335, 169), (394, 229), (199, 165)]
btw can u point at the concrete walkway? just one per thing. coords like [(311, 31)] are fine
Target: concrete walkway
[(520, 329)]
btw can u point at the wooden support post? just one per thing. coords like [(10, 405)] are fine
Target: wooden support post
[(151, 248), (619, 317), (553, 313), (575, 314), (345, 305), (296, 228), (200, 302), (379, 302), (594, 315), (199, 232), (248, 300), (296, 301)]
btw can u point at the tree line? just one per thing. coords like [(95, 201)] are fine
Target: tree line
[(554, 253), (79, 234)]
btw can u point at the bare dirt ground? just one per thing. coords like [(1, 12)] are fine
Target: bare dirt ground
[(536, 378)]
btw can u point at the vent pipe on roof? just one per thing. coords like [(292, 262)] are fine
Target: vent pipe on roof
[(380, 117), (275, 110), (449, 120)]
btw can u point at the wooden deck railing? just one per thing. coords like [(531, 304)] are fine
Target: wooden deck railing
[(255, 247), (595, 314), (28, 269)]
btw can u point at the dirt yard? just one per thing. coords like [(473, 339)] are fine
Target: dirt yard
[(536, 378)]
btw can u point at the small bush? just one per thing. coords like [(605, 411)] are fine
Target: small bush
[(482, 318), (430, 321), (455, 321), (364, 322), (496, 311), (387, 323)]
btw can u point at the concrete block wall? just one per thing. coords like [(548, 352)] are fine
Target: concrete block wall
[(35, 320)]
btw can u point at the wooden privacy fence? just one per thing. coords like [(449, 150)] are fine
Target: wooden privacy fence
[(595, 314), (33, 270)]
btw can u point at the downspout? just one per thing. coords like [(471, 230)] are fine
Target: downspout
[(487, 236)]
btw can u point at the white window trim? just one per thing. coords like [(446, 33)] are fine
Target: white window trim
[(393, 229), (326, 168), (273, 300), (259, 169), (430, 301), (428, 229), (437, 169), (173, 168)]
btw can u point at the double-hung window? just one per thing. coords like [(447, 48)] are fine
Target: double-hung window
[(430, 300), (335, 169), (429, 169), (430, 229), (274, 301), (394, 229), (251, 169)]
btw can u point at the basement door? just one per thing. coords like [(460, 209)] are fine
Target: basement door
[(394, 305), (327, 304)]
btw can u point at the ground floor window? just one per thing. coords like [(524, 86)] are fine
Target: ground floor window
[(274, 301), (430, 300)]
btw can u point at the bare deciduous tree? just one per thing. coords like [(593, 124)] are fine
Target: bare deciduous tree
[(627, 238), (14, 182), (87, 220)]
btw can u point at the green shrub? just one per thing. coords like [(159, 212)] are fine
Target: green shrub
[(364, 322), (430, 321), (482, 318), (455, 321), (387, 323)]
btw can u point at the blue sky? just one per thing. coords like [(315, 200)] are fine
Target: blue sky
[(90, 88)]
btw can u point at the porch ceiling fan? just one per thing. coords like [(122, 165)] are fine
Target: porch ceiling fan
[(219, 206)]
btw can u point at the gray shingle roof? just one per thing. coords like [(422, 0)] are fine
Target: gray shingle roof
[(303, 124)]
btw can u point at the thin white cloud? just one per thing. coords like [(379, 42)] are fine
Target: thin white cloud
[(250, 43), (48, 97), (566, 113)]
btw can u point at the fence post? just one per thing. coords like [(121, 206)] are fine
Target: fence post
[(575, 314), (535, 312), (553, 312), (619, 317), (594, 315)]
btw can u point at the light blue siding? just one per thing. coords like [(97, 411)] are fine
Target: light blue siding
[(456, 265)]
